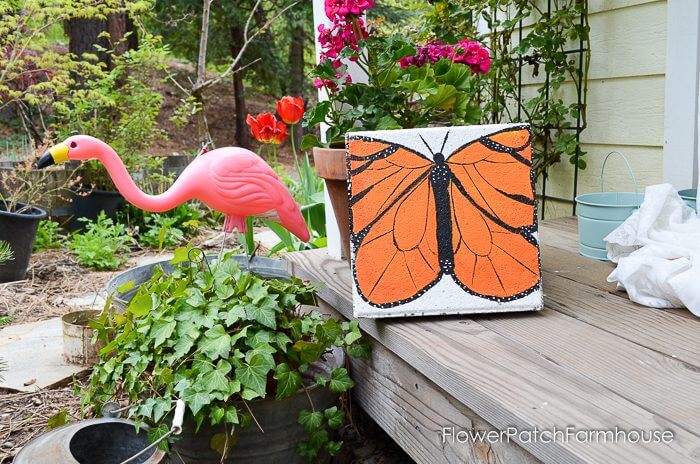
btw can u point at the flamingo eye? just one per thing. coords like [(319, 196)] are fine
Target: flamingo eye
[(73, 144)]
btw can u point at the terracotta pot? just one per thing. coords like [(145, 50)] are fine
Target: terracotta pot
[(330, 166)]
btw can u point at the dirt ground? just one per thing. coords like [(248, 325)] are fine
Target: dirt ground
[(54, 283)]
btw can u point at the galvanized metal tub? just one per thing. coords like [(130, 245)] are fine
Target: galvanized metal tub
[(265, 267), (602, 212), (689, 196), (93, 441), (277, 418)]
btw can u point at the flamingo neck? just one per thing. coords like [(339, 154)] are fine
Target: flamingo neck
[(128, 188)]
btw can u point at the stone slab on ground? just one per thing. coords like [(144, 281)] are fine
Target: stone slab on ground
[(34, 356)]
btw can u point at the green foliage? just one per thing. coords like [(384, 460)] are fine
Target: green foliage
[(215, 337), (393, 98), (59, 419), (34, 75), (6, 253), (541, 53), (162, 230), (48, 236), (119, 106), (102, 244), (308, 192)]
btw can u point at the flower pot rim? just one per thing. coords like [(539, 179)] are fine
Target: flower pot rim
[(34, 212)]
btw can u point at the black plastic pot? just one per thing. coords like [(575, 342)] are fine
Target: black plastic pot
[(89, 206), (19, 230)]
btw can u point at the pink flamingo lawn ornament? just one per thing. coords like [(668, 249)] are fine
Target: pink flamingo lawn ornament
[(233, 181)]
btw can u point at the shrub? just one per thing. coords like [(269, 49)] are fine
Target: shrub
[(48, 236), (102, 244)]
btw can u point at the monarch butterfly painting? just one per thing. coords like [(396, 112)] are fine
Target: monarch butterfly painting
[(443, 221)]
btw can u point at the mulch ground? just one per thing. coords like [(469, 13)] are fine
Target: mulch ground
[(24, 416)]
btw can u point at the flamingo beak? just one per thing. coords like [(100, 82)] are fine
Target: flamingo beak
[(56, 154)]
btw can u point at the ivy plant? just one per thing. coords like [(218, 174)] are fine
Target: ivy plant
[(218, 336)]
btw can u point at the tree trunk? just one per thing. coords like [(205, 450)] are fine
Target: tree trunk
[(83, 33), (296, 70), (241, 135), (118, 25)]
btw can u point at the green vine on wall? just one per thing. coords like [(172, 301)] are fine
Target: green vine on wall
[(552, 32)]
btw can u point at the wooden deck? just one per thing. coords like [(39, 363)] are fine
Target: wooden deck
[(591, 360)]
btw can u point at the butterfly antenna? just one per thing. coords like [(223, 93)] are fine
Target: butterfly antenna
[(426, 144), (444, 141)]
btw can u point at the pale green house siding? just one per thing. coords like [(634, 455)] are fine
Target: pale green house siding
[(625, 100)]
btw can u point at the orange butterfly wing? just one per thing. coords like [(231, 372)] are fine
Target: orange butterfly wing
[(392, 221), (492, 193)]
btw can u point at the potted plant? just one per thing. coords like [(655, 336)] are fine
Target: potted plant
[(409, 83), (22, 189), (238, 348)]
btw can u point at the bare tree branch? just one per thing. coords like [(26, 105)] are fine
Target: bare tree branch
[(247, 39)]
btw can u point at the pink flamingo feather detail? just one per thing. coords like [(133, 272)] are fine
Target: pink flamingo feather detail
[(231, 180)]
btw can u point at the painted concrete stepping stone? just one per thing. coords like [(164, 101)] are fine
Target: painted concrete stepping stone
[(443, 221), (34, 356)]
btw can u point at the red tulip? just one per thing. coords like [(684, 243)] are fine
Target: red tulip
[(280, 133), (290, 109), (267, 129)]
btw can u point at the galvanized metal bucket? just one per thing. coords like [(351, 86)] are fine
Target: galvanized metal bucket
[(77, 337), (602, 212), (92, 441), (689, 196)]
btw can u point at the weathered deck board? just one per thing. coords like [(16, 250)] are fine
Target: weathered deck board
[(551, 368), (413, 410), (663, 331)]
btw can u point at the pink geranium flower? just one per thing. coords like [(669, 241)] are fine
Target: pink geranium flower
[(341, 9)]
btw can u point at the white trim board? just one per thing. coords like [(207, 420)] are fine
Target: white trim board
[(681, 118)]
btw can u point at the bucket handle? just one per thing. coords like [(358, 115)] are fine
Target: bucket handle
[(629, 168)]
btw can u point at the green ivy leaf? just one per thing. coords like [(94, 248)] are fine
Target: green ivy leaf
[(264, 314), (288, 381), (234, 315), (215, 379), (334, 447), (335, 417), (196, 298), (231, 416), (311, 421), (126, 286), (308, 351), (161, 330), (216, 414), (195, 400), (254, 374), (216, 342), (340, 381), (256, 292), (140, 305)]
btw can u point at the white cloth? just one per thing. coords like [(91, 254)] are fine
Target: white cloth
[(657, 251)]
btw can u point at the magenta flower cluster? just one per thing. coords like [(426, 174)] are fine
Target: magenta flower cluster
[(468, 52), (346, 29), (340, 35), (342, 9), (330, 84)]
